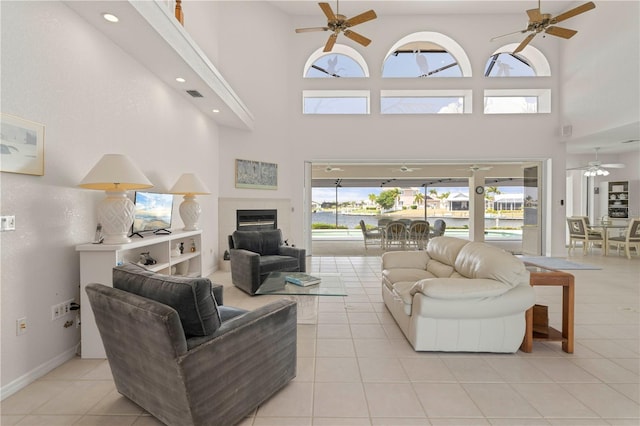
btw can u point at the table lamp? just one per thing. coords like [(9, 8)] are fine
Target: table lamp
[(189, 185), (115, 174)]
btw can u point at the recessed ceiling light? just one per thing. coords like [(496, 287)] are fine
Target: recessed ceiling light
[(180, 80), (215, 111), (110, 17)]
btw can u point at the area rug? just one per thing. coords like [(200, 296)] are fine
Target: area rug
[(556, 263)]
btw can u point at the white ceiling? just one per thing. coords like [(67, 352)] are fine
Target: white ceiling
[(386, 7)]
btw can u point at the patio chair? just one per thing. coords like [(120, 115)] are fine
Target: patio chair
[(371, 236), (438, 229), (395, 234), (631, 238), (419, 234), (579, 231)]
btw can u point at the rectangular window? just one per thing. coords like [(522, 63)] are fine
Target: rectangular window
[(425, 102), (335, 102), (517, 101)]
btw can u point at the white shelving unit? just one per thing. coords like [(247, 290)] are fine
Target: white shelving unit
[(97, 262), (618, 200)]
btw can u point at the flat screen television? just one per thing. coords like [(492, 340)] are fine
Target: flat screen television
[(152, 213)]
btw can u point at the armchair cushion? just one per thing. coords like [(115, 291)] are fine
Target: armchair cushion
[(192, 298), (264, 243)]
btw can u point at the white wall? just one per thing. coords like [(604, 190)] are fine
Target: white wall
[(269, 79), (93, 99), (601, 68)]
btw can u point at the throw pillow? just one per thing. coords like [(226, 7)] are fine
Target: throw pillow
[(192, 298)]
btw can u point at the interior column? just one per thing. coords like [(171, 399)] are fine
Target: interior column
[(476, 207)]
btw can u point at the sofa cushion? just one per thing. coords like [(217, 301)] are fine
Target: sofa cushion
[(445, 249), (481, 260), (459, 288), (192, 298), (439, 269)]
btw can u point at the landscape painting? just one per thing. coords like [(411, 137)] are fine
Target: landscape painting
[(21, 146), (256, 174)]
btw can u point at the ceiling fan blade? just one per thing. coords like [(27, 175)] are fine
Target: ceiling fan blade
[(580, 168), (561, 32), (309, 30), (326, 8), (524, 43), (573, 12), (508, 34), (330, 42), (613, 166), (357, 37), (534, 15), (359, 19)]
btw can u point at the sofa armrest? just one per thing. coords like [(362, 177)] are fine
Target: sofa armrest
[(405, 259), (296, 252), (245, 269), (260, 344)]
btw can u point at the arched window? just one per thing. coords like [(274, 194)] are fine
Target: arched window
[(530, 62), (426, 54), (342, 61)]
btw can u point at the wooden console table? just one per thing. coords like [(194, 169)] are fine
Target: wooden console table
[(550, 277)]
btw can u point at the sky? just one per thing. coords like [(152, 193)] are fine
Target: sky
[(320, 195)]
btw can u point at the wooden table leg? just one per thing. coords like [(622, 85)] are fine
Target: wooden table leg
[(527, 342), (567, 317)]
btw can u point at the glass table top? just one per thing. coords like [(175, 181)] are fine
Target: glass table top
[(330, 285)]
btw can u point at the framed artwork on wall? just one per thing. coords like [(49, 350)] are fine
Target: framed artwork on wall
[(256, 174), (22, 146)]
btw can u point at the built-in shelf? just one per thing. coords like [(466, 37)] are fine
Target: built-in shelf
[(149, 32)]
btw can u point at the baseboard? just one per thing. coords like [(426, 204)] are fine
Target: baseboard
[(33, 375)]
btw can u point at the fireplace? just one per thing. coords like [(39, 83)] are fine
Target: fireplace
[(256, 220)]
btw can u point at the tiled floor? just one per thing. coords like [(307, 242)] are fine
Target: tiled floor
[(356, 368)]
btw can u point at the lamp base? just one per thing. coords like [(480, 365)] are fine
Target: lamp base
[(115, 213), (190, 212)]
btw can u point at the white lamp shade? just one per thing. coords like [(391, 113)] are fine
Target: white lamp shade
[(115, 172), (189, 183)]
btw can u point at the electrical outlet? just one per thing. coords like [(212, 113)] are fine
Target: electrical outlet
[(21, 326), (61, 309)]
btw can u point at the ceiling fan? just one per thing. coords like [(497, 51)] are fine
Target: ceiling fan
[(474, 168), (406, 169), (339, 23), (596, 168), (544, 22), (330, 169)]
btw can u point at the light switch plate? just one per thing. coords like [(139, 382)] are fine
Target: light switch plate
[(7, 223)]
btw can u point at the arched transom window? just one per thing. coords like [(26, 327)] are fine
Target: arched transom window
[(426, 54)]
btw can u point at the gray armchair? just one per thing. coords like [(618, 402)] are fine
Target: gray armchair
[(187, 361), (254, 254)]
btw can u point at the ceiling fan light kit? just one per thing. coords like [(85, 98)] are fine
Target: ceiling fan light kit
[(338, 23), (545, 23), (596, 168)]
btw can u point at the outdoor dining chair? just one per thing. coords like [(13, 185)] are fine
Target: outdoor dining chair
[(419, 234), (395, 235)]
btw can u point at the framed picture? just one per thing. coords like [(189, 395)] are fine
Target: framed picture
[(22, 146), (256, 174)]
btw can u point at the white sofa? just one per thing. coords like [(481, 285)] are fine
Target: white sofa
[(458, 296)]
